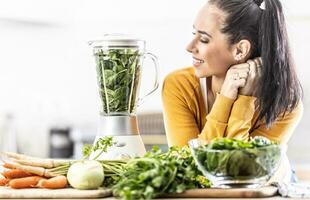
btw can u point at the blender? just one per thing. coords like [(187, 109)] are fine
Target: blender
[(119, 61)]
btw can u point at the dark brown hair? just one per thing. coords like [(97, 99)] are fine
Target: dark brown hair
[(279, 90)]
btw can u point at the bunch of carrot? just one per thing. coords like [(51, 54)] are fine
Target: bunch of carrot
[(46, 173), (28, 172), (16, 178)]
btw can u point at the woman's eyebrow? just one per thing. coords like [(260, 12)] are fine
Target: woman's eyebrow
[(203, 32)]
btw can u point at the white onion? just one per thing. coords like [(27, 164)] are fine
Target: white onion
[(86, 175)]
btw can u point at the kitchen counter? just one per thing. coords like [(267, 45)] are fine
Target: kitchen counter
[(271, 198), (302, 171), (112, 198)]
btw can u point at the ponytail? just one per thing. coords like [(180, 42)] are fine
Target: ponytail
[(280, 90)]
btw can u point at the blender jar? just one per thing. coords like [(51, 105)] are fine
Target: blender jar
[(119, 60)]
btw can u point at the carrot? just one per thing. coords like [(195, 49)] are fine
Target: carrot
[(53, 183), (16, 173), (27, 182), (8, 166), (4, 181)]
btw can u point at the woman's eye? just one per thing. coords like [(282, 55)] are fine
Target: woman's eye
[(204, 40)]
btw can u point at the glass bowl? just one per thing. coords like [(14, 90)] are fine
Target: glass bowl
[(249, 167)]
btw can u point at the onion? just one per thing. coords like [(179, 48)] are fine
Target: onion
[(86, 175)]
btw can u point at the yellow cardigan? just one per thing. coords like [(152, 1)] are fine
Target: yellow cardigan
[(186, 118)]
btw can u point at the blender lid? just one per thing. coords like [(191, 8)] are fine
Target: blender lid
[(117, 40)]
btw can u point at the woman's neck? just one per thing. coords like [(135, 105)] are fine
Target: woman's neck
[(214, 84)]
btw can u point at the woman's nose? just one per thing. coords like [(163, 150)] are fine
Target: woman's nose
[(191, 47)]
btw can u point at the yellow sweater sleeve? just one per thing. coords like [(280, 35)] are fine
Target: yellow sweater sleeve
[(180, 115), (241, 119), (217, 119)]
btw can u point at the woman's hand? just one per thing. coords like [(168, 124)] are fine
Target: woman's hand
[(249, 89), (243, 76), (235, 78)]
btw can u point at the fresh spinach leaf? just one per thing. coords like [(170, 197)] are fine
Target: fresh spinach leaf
[(239, 159), (118, 75)]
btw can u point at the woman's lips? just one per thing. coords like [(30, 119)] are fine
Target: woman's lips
[(197, 62)]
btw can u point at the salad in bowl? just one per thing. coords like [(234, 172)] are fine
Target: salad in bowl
[(236, 163)]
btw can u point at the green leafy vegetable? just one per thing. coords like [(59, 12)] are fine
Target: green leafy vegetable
[(118, 74), (157, 173), (102, 145), (239, 159)]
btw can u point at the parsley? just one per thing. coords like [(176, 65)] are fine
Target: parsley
[(157, 173), (102, 144)]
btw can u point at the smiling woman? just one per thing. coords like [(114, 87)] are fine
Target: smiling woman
[(242, 82)]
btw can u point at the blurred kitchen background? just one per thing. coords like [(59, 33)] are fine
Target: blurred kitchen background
[(49, 102)]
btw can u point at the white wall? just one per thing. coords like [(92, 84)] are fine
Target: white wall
[(47, 74)]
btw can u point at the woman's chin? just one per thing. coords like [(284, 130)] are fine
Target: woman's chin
[(200, 73)]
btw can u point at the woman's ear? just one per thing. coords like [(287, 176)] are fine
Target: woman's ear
[(241, 51)]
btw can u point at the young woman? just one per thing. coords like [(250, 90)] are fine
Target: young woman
[(242, 82)]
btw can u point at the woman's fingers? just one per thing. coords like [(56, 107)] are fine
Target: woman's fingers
[(259, 68), (241, 77), (240, 66), (235, 78), (239, 83), (259, 61), (238, 70), (243, 74), (253, 68), (239, 73)]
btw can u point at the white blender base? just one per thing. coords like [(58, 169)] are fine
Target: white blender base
[(127, 146)]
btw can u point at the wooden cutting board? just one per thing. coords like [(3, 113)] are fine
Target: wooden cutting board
[(267, 191), (67, 193)]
